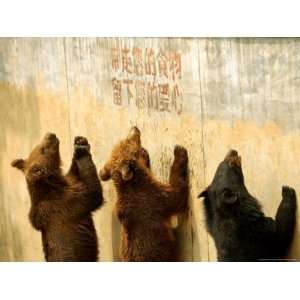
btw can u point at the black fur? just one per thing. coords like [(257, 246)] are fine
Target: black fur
[(236, 222)]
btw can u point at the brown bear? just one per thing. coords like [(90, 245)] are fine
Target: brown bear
[(61, 206), (144, 205)]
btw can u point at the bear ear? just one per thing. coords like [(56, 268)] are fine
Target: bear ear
[(18, 163), (135, 135), (229, 197), (104, 174), (203, 194), (127, 171)]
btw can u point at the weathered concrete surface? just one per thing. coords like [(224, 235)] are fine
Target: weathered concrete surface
[(206, 94)]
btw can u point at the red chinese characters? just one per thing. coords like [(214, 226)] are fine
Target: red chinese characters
[(147, 78)]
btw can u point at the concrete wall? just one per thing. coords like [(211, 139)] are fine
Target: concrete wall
[(206, 94)]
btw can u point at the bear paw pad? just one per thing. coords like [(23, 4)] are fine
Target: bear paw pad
[(81, 147), (288, 192), (180, 151)]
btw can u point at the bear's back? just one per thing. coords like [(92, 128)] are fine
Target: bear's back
[(64, 240)]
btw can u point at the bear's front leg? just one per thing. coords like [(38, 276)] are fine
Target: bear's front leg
[(286, 219), (81, 149), (179, 169), (179, 181), (83, 158), (87, 173)]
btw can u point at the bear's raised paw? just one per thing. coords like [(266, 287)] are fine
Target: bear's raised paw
[(81, 147)]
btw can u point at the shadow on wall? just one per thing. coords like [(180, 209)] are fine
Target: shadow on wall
[(116, 235), (293, 253), (19, 116), (186, 234)]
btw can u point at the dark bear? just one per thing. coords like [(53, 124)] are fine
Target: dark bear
[(144, 205), (235, 219), (61, 206)]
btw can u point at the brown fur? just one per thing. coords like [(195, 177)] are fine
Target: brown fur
[(61, 206), (145, 206)]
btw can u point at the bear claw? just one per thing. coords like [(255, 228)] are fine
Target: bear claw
[(81, 147), (81, 140)]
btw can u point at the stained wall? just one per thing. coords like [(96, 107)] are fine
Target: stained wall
[(208, 95)]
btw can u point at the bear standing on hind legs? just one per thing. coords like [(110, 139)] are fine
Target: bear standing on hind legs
[(236, 222), (144, 205), (61, 206)]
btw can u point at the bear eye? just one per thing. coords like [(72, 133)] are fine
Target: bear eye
[(227, 192)]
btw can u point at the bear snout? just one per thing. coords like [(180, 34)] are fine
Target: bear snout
[(51, 139), (231, 154), (50, 136)]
